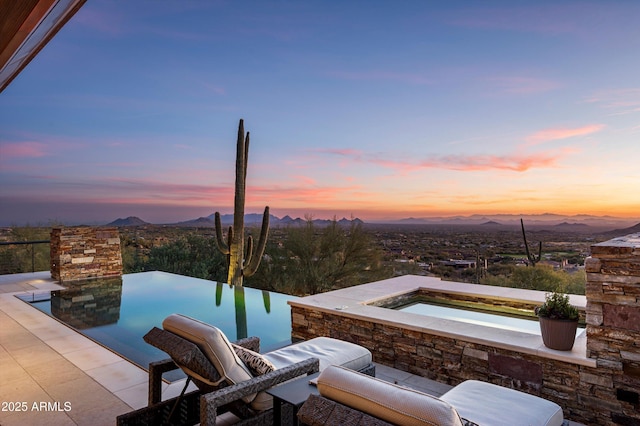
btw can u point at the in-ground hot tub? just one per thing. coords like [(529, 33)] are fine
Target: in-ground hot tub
[(472, 309)]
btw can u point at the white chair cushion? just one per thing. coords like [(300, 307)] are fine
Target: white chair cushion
[(329, 351), (489, 404), (213, 344), (389, 402)]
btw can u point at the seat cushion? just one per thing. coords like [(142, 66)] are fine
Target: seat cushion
[(486, 403), (329, 351), (213, 344), (392, 403)]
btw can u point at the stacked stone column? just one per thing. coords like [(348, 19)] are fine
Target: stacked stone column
[(613, 331), (81, 253)]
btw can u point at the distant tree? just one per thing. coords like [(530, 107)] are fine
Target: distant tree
[(311, 260), (193, 256), (26, 257), (542, 277)]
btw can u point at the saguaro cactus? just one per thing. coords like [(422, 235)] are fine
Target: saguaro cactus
[(241, 264), (533, 259)]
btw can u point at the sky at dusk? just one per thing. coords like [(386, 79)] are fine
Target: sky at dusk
[(371, 109)]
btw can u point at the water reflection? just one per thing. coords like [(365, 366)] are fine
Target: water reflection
[(241, 306), (88, 303)]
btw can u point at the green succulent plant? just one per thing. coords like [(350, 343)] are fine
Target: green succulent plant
[(557, 306)]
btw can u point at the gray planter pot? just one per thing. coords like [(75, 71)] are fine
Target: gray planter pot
[(558, 334)]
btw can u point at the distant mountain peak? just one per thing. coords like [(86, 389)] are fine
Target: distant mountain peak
[(129, 221)]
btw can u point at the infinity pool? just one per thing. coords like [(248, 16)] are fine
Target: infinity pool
[(117, 312)]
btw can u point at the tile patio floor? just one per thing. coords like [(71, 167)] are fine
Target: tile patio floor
[(44, 361)]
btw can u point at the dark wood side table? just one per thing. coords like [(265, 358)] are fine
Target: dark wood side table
[(295, 393)]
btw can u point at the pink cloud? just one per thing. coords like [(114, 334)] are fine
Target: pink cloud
[(620, 101), (492, 162), (547, 135), (23, 150), (517, 163)]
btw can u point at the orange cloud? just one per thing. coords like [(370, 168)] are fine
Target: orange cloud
[(547, 135), (518, 163)]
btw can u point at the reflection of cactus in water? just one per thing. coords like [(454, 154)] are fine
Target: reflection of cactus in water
[(241, 307), (241, 264), (219, 293), (241, 312), (266, 299)]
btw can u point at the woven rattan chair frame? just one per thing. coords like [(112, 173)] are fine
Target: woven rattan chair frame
[(320, 411), (205, 404)]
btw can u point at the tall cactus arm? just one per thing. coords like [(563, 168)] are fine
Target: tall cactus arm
[(248, 253), (532, 258), (222, 246), (246, 155), (540, 251), (252, 267)]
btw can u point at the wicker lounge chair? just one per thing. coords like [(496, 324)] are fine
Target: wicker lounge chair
[(224, 382), (349, 398)]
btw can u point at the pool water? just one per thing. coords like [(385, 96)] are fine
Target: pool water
[(475, 317), (118, 312)]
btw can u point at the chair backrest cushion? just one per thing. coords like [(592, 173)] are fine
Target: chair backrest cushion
[(392, 403), (213, 344)]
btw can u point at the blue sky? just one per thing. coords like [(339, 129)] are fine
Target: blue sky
[(370, 109)]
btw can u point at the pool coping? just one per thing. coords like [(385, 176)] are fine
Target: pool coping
[(354, 302)]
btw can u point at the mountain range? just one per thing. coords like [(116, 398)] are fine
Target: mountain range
[(250, 219), (576, 223)]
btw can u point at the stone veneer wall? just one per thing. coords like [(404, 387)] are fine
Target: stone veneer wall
[(452, 361), (613, 328), (604, 395), (80, 253)]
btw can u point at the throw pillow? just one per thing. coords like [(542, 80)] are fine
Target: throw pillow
[(258, 365)]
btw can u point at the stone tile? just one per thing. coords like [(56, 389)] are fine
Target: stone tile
[(36, 418), (174, 389), (49, 330), (93, 356), (83, 394), (104, 413), (49, 374), (119, 375), (70, 343), (24, 389), (427, 386), (135, 396), (391, 374), (36, 355), (17, 338)]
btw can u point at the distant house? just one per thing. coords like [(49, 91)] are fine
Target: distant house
[(459, 264)]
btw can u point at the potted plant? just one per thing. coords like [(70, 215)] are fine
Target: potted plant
[(558, 321)]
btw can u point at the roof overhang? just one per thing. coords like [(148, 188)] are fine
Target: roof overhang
[(26, 26)]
